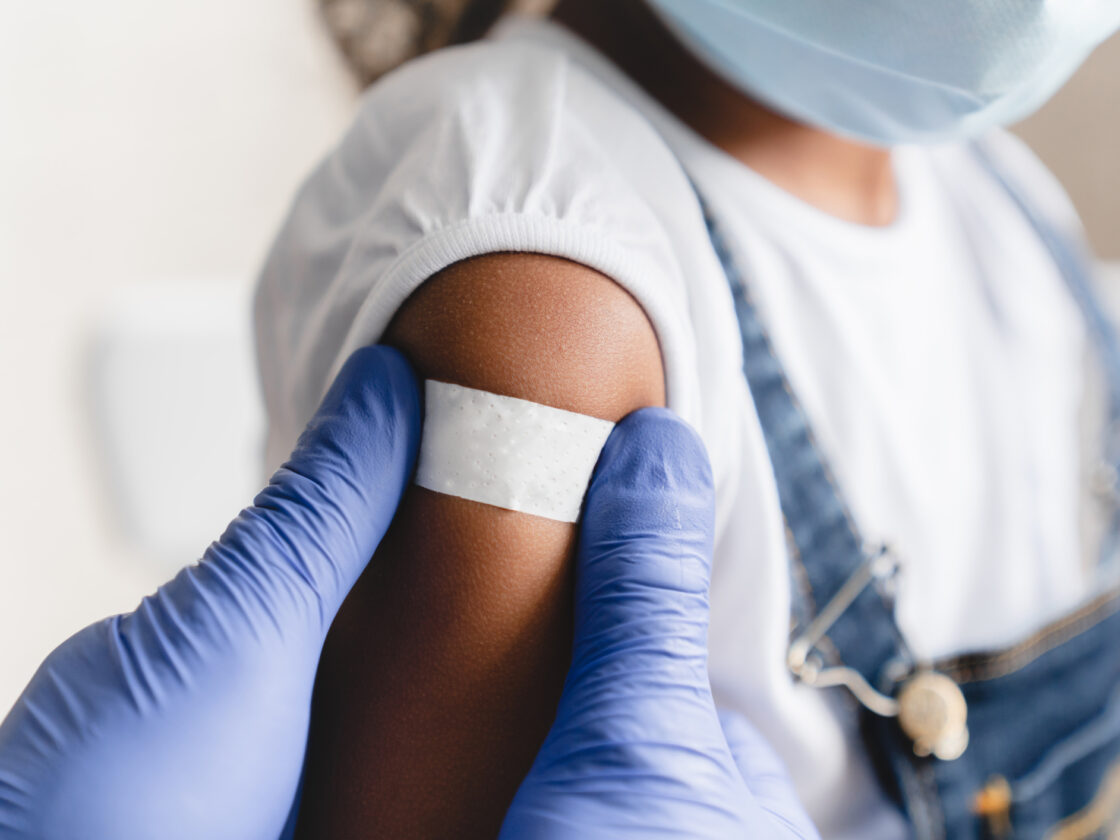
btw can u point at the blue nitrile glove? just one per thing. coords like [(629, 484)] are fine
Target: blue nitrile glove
[(187, 719), (638, 749)]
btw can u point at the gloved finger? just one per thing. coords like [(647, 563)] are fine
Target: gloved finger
[(314, 528), (765, 775)]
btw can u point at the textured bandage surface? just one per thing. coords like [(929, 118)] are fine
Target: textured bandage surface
[(507, 452)]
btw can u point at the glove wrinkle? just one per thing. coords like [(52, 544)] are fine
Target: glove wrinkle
[(637, 748), (188, 717)]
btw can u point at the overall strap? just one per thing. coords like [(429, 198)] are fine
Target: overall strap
[(834, 571), (1075, 266), (842, 605)]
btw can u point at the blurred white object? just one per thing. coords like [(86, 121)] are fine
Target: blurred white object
[(1110, 288), (135, 137), (176, 413)]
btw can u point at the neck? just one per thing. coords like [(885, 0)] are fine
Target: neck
[(850, 180)]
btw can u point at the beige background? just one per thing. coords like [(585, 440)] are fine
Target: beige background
[(141, 145), (1078, 135), (154, 145)]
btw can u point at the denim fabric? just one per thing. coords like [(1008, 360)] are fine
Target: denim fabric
[(1043, 716)]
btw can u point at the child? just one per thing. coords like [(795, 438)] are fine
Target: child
[(799, 227)]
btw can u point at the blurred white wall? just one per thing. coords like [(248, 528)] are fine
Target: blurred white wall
[(156, 145), (140, 143)]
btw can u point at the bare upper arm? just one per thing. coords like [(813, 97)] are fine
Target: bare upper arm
[(441, 673), (537, 327)]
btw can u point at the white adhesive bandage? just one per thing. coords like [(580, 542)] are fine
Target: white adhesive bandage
[(507, 452)]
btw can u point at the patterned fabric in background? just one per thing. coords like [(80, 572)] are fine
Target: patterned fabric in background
[(377, 35)]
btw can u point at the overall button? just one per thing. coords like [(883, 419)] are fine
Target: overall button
[(932, 712)]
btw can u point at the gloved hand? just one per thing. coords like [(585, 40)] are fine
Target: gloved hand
[(188, 717), (638, 748)]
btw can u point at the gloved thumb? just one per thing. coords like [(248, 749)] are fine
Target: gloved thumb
[(636, 745), (645, 554), (639, 672), (309, 534), (637, 748)]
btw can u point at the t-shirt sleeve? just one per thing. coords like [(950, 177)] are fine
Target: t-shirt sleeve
[(478, 149)]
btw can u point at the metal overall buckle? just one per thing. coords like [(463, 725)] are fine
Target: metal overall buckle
[(930, 707)]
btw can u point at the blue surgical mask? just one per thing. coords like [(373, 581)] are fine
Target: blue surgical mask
[(891, 71)]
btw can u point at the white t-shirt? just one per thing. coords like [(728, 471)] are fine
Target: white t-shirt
[(940, 359)]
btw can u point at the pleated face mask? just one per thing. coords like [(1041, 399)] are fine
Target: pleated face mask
[(891, 71)]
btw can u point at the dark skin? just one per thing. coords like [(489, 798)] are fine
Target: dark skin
[(441, 673)]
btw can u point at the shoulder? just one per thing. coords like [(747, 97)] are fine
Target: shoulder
[(1040, 185), (488, 148), (501, 127), (490, 86), (1015, 162)]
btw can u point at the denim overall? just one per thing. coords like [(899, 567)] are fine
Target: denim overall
[(1029, 737)]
